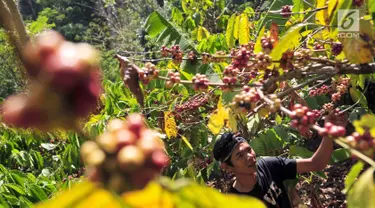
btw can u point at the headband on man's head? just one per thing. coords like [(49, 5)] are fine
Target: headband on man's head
[(224, 148)]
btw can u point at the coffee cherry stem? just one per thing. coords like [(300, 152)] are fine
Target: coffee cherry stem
[(355, 152)]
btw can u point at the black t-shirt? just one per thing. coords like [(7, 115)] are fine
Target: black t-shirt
[(269, 188)]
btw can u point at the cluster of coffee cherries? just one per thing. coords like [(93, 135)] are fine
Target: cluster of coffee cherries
[(240, 57), (164, 51), (230, 77), (176, 54), (262, 61), (286, 61), (64, 84), (302, 118), (341, 86), (276, 103), (267, 44), (148, 73), (246, 100), (200, 82), (328, 107), (192, 56), (317, 46), (127, 156), (332, 130), (365, 142), (192, 104), (302, 57), (323, 90), (174, 77), (286, 11), (206, 58), (336, 48), (175, 51)]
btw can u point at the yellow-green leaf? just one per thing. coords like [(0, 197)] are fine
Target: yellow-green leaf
[(217, 119), (358, 96), (258, 44), (232, 122), (321, 17), (152, 196), (244, 33), (366, 122), (290, 39), (278, 119), (187, 142), (170, 125), (236, 27), (352, 175), (77, 193), (229, 32), (332, 5), (363, 191), (202, 33)]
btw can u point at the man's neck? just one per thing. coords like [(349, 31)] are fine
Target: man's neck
[(245, 182)]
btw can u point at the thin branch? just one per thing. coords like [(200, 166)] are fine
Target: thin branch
[(355, 152), (299, 86)]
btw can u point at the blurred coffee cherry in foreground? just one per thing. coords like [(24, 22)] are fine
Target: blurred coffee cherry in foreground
[(64, 84), (125, 157)]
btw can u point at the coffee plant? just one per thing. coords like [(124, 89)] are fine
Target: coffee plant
[(272, 76)]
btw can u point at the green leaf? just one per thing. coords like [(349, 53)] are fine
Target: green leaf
[(244, 30), (177, 16), (229, 32), (301, 152), (363, 192), (357, 113), (358, 96), (340, 155), (352, 176), (15, 188), (37, 192), (290, 39), (157, 26)]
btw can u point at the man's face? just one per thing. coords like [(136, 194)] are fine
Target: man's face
[(243, 159)]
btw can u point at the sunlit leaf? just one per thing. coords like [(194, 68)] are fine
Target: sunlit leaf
[(232, 121), (229, 32), (321, 16), (170, 125), (244, 30), (289, 40), (362, 193), (258, 43), (67, 199), (236, 27), (187, 142), (352, 175), (366, 122), (217, 119)]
